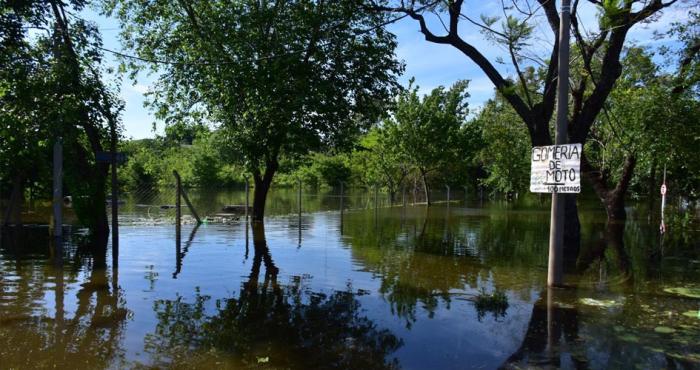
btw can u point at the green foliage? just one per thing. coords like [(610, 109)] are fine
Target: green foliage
[(332, 169), (611, 13), (506, 152), (52, 87), (427, 131), (281, 80), (646, 118), (151, 163)]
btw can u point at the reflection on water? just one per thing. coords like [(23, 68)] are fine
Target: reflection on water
[(278, 325), (384, 288)]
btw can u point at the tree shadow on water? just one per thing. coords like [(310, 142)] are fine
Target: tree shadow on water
[(269, 325)]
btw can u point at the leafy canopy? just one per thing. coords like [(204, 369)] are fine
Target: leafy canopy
[(281, 78)]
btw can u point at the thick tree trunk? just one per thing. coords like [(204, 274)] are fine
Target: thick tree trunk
[(13, 213), (262, 186), (572, 228), (423, 176), (613, 199)]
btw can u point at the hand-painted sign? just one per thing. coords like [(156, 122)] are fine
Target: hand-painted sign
[(556, 169)]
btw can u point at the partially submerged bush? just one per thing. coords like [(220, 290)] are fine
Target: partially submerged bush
[(496, 303)]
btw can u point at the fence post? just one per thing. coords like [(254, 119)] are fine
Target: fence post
[(376, 196), (247, 197), (403, 195), (58, 188), (341, 207), (299, 198), (178, 211), (341, 197), (181, 192), (448, 194)]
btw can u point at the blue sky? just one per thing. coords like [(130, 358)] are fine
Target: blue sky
[(432, 65)]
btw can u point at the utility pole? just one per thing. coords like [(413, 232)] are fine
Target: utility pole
[(556, 226)]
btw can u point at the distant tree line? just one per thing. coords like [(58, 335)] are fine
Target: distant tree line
[(309, 89), (432, 140)]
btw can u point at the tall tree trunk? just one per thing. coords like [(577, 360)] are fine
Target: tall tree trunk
[(423, 176), (13, 213), (262, 186)]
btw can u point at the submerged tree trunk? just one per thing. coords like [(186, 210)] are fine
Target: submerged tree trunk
[(423, 176), (613, 199), (572, 228), (262, 186)]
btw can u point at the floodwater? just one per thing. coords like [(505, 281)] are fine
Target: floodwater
[(362, 289)]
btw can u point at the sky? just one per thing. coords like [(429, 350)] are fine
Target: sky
[(430, 64)]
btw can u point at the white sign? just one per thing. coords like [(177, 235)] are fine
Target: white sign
[(556, 169), (663, 189)]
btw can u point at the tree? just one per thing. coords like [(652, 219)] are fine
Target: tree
[(378, 159), (535, 103), (281, 78), (648, 123), (506, 151), (427, 130), (55, 89)]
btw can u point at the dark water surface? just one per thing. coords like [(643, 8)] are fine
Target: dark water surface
[(391, 288)]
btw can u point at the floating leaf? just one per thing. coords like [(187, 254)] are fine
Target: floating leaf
[(629, 338), (664, 330), (686, 292), (693, 314)]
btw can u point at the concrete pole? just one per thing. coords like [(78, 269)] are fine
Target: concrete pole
[(556, 228), (58, 188), (115, 199)]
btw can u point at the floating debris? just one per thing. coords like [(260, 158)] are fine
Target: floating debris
[(664, 330), (691, 292), (599, 303)]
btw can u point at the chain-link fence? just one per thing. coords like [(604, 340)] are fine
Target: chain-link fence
[(155, 205)]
